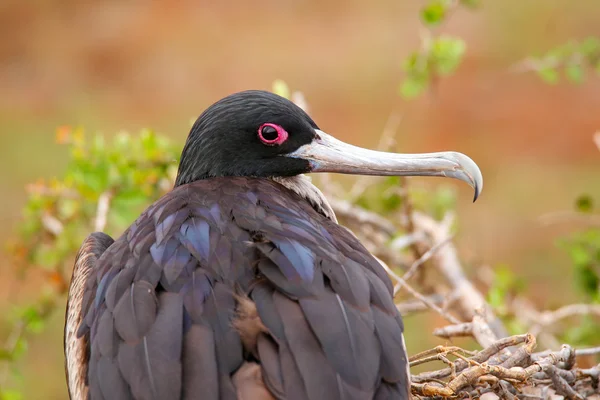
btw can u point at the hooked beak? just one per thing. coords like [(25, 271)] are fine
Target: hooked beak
[(328, 154)]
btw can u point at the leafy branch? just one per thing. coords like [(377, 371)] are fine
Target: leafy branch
[(571, 59), (439, 54), (105, 186)]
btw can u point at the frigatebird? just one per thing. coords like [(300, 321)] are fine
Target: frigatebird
[(239, 283)]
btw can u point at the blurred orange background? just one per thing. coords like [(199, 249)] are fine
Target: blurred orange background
[(115, 65)]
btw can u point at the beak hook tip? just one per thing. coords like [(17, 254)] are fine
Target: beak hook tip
[(477, 192)]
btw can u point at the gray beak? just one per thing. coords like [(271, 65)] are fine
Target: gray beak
[(328, 154)]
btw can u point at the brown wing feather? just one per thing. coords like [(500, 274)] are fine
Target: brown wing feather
[(76, 350)]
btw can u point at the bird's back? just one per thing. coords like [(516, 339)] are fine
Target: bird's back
[(228, 273)]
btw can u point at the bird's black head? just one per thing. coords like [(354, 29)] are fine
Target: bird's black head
[(247, 134), (260, 134)]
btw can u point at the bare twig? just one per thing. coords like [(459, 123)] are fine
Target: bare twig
[(426, 256), (561, 385), (102, 211), (52, 224), (479, 357), (548, 318), (450, 331), (468, 300), (588, 352), (299, 99), (521, 375), (345, 209), (508, 372), (438, 350), (505, 388), (415, 306), (526, 313), (408, 240), (482, 330), (419, 296), (447, 263)]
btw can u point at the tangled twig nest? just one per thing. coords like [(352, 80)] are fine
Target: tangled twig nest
[(508, 375)]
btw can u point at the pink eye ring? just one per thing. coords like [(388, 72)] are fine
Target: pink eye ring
[(272, 134)]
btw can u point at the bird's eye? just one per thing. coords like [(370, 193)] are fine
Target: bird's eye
[(272, 134)]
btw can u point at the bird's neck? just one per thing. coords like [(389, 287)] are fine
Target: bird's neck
[(302, 186)]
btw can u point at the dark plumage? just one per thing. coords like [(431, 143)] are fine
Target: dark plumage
[(223, 142), (232, 279)]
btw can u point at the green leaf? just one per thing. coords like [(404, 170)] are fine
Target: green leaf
[(46, 256), (36, 326), (391, 202), (98, 143), (5, 355), (548, 74), (574, 73), (579, 255), (122, 140), (590, 46), (412, 87), (584, 333), (11, 394), (434, 12), (20, 348), (67, 208), (515, 327), (496, 297), (442, 201), (131, 199), (446, 54), (584, 204), (588, 281), (281, 88), (411, 63)]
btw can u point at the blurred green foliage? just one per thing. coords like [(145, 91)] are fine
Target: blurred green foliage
[(583, 248), (128, 173), (506, 284), (385, 197), (281, 88), (572, 59), (436, 11), (439, 55)]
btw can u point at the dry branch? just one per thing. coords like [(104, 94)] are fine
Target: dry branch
[(470, 301), (450, 331), (102, 211), (506, 368), (481, 372), (415, 306)]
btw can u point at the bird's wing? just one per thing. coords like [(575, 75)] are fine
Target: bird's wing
[(229, 271), (76, 349)]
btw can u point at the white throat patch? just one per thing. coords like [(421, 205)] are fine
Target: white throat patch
[(302, 186)]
